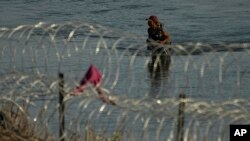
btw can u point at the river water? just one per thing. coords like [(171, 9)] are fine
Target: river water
[(192, 20)]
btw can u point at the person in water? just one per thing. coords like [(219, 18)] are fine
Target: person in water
[(157, 41), (156, 34)]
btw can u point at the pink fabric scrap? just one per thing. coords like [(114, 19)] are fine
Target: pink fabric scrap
[(92, 76)]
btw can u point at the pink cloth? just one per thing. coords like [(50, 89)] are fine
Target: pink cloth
[(92, 76)]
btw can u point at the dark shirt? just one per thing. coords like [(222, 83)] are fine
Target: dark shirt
[(155, 34)]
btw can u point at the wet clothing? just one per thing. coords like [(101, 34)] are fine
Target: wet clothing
[(158, 50), (161, 55), (155, 34)]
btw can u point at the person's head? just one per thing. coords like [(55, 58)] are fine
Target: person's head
[(153, 21), (151, 24)]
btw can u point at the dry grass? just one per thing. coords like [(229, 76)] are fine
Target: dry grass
[(16, 126), (90, 135)]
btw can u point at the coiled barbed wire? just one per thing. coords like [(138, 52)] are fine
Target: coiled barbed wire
[(214, 78)]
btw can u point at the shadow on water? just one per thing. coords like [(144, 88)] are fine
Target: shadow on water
[(158, 69)]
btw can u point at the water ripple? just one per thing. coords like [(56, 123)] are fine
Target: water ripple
[(103, 11), (134, 6)]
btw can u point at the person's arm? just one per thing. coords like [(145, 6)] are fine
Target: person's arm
[(149, 34), (166, 37), (150, 38)]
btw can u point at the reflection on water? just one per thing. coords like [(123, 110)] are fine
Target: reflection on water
[(158, 69)]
